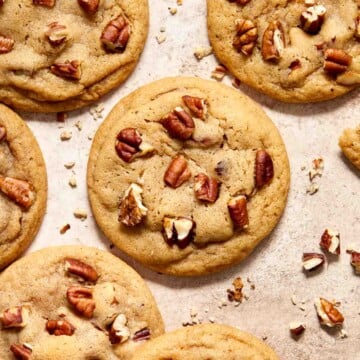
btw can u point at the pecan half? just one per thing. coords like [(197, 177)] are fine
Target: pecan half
[(178, 230), (196, 105), (355, 261), (56, 34), (59, 327), (68, 69), (327, 313), (15, 317), (179, 124), (246, 36), (330, 241), (273, 41), (132, 210), (312, 261), (240, 2), (264, 169), (2, 133), (6, 44), (46, 3), (20, 191), (89, 6), (81, 299), (142, 334), (119, 332), (116, 34), (79, 268), (21, 352), (237, 207), (177, 172), (312, 19), (336, 61), (206, 188)]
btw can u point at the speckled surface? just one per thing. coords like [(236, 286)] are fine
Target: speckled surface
[(275, 268)]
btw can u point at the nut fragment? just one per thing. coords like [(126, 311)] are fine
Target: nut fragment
[(2, 133), (142, 334), (6, 44), (79, 268), (236, 294), (336, 61), (330, 241), (355, 261), (56, 34), (357, 27), (177, 172), (237, 207), (312, 19), (196, 105), (68, 69), (273, 42), (327, 313), (116, 34), (240, 2), (179, 124), (80, 214), (132, 210), (89, 6), (20, 191), (81, 299), (21, 352), (206, 188), (46, 3), (15, 317), (312, 261), (246, 36), (264, 169), (59, 327), (178, 230), (119, 332), (296, 328), (64, 229)]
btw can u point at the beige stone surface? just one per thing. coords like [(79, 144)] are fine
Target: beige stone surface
[(309, 131)]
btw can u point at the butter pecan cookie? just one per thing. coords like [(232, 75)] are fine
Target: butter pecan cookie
[(23, 186), (74, 302), (58, 55), (349, 143), (187, 176), (294, 51), (206, 342)]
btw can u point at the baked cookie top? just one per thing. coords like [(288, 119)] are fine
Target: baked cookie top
[(206, 342), (23, 186), (58, 55), (74, 302), (187, 176), (294, 51), (349, 142)]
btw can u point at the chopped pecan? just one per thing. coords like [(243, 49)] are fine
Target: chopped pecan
[(312, 19), (327, 313), (142, 334), (177, 172), (336, 61), (296, 328), (21, 352), (89, 6), (264, 168), (2, 133), (132, 210), (116, 34), (6, 44), (81, 299), (357, 27), (119, 332), (15, 317), (178, 230), (237, 207), (59, 327), (294, 65), (56, 34), (240, 2), (330, 241), (312, 261), (20, 191), (273, 41), (221, 168), (197, 106), (236, 294), (77, 267), (355, 261), (246, 36), (68, 69), (179, 124), (46, 3), (206, 188)]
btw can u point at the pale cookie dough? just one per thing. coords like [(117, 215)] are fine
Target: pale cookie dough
[(58, 55), (206, 342), (74, 302), (294, 51), (195, 206), (23, 186), (350, 145)]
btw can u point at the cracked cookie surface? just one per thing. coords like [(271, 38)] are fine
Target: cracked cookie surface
[(285, 49), (206, 342), (349, 143), (23, 186), (187, 206), (67, 60), (74, 302)]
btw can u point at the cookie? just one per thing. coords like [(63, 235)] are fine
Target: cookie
[(206, 342), (73, 53), (349, 143), (294, 51), (74, 302), (187, 176), (23, 186)]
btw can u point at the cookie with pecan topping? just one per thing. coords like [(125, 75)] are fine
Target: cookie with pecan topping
[(349, 143), (23, 186)]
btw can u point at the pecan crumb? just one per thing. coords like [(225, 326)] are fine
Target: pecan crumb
[(64, 229), (219, 72), (236, 294), (80, 214), (201, 52)]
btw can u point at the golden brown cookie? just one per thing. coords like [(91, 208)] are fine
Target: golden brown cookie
[(73, 52), (74, 302), (294, 51), (349, 142), (23, 186)]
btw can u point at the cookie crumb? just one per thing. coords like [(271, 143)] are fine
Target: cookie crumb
[(72, 182), (201, 52), (179, 2), (65, 135), (236, 294), (312, 189), (343, 334), (172, 10), (160, 38), (162, 29), (212, 319), (96, 111), (69, 165), (293, 299), (79, 125), (80, 214), (64, 229)]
